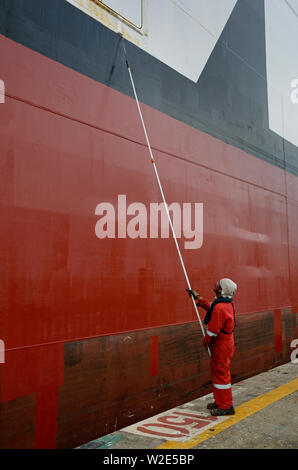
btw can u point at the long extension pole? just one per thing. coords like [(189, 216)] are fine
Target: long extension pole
[(162, 193)]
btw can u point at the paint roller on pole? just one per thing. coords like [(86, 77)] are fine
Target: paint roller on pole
[(161, 191)]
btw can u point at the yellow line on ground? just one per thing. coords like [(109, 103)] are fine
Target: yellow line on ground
[(243, 411)]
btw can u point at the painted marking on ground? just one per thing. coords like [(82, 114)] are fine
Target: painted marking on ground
[(103, 442), (178, 423), (243, 411)]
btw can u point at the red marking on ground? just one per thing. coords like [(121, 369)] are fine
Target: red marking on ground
[(183, 432), (186, 421), (190, 421), (209, 418)]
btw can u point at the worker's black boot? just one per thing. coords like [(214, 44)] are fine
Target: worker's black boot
[(220, 412), (212, 406)]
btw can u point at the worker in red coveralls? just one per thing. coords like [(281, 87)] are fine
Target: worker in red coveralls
[(219, 337)]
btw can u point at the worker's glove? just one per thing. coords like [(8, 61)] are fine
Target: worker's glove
[(193, 293), (207, 340)]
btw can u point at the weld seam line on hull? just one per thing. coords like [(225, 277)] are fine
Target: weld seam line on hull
[(168, 325), (165, 152)]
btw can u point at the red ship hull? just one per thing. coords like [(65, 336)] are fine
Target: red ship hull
[(100, 333)]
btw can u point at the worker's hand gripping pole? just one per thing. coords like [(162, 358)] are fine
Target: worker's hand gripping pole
[(162, 194)]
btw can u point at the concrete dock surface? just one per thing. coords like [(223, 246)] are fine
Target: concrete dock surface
[(266, 418)]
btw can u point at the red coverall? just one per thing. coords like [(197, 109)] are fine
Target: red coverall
[(222, 349)]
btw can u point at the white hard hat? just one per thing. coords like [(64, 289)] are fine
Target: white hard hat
[(228, 287)]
